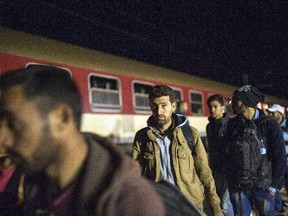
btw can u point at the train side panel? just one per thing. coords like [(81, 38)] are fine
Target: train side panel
[(114, 89), (125, 121)]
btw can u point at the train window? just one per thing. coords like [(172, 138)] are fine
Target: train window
[(34, 63), (141, 93), (196, 103), (178, 95), (104, 93)]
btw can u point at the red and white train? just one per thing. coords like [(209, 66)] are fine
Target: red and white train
[(114, 89)]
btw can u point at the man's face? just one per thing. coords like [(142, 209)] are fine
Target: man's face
[(184, 107), (162, 110), (24, 133), (237, 106), (277, 115), (216, 110)]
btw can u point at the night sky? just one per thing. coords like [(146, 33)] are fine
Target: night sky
[(219, 40)]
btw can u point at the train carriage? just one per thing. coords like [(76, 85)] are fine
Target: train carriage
[(114, 89)]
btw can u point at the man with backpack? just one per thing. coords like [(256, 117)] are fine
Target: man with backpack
[(166, 153), (255, 155)]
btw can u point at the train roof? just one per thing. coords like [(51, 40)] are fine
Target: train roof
[(24, 44)]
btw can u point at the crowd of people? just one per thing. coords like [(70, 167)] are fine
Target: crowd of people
[(49, 167)]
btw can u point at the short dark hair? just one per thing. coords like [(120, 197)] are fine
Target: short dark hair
[(51, 85), (215, 97), (161, 90)]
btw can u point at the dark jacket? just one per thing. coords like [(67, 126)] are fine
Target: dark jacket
[(215, 130), (110, 184), (11, 199), (273, 134)]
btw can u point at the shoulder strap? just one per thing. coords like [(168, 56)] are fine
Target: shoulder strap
[(262, 119), (186, 129)]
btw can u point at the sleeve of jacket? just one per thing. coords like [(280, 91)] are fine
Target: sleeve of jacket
[(130, 194), (204, 172), (276, 148), (136, 147)]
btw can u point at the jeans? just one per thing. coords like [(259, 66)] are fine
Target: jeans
[(223, 193), (263, 201), (278, 201), (226, 204)]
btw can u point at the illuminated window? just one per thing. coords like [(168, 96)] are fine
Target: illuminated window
[(141, 96), (196, 103), (40, 64), (104, 93), (178, 95)]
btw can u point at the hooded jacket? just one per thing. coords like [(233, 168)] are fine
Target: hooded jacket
[(192, 173), (110, 184)]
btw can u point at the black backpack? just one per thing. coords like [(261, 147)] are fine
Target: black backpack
[(175, 203), (247, 156), (186, 129)]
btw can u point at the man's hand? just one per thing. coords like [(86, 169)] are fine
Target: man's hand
[(219, 214)]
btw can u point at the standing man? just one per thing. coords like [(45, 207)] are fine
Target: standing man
[(182, 108), (163, 152), (253, 180), (69, 173), (278, 112), (216, 148)]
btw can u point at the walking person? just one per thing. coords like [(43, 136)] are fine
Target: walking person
[(215, 131), (163, 152), (255, 155), (182, 108), (69, 173), (278, 112)]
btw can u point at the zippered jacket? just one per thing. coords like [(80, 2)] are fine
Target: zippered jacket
[(192, 173), (110, 184)]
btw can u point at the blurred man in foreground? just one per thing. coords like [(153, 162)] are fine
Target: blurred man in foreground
[(69, 173), (11, 186)]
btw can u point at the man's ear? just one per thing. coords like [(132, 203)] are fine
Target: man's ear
[(60, 117)]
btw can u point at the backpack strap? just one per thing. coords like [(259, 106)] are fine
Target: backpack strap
[(186, 129), (262, 119)]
